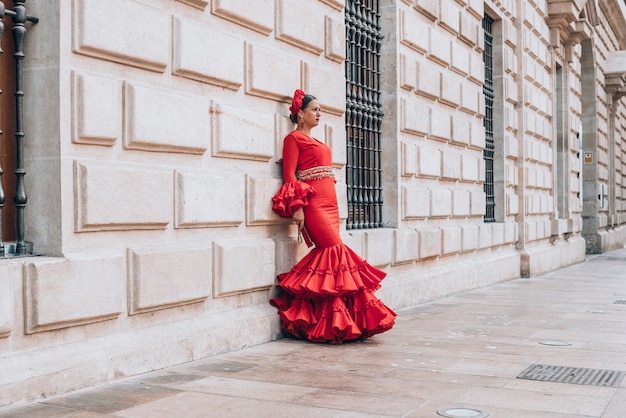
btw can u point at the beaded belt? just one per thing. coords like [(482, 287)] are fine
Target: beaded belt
[(315, 173)]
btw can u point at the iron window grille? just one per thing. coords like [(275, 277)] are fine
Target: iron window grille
[(363, 114), (488, 120)]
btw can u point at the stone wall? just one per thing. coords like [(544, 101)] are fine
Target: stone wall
[(154, 147)]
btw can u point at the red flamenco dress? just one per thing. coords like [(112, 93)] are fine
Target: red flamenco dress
[(329, 295)]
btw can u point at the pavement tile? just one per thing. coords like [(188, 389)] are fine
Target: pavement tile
[(535, 401), (200, 405), (245, 388), (47, 411), (111, 398), (394, 405)]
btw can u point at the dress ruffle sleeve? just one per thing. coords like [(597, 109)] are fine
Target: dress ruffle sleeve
[(292, 196)]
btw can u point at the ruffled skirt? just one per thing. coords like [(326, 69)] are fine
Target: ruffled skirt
[(329, 295)]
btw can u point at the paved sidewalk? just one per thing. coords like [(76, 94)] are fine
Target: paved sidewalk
[(462, 352)]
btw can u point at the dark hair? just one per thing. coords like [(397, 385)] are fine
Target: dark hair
[(308, 98)]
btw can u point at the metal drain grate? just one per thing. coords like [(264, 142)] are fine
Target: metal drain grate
[(576, 375), (620, 302)]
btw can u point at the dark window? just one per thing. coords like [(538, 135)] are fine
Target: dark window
[(363, 114), (488, 120)]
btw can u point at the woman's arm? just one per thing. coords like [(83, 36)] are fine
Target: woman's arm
[(293, 194), (291, 152)]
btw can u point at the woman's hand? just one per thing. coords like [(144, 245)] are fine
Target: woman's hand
[(298, 218)]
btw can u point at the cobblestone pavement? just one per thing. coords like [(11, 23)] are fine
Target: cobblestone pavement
[(463, 354)]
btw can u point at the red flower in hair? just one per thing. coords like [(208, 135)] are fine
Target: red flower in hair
[(296, 102)]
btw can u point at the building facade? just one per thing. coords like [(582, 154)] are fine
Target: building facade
[(474, 142)]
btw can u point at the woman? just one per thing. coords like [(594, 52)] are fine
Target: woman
[(329, 295)]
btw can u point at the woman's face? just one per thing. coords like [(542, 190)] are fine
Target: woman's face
[(312, 114)]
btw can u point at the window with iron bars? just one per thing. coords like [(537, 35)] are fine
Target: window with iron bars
[(488, 120), (363, 114)]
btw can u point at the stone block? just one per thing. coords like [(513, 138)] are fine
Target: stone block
[(449, 15), (96, 121), (342, 198), (531, 231), (441, 124), (485, 235), (478, 203), (547, 179), (469, 238), (428, 79), (409, 159), (451, 165), (471, 96), (511, 90), (196, 48), (511, 232), (439, 49), (415, 202), (379, 246), (80, 289), (512, 204), (509, 32), (111, 31), (283, 126), (259, 193), (355, 240), (163, 277), (559, 227), (415, 116), (407, 72), (476, 8), (477, 69), (498, 233), (335, 138), (405, 249), (461, 129), (470, 167), (510, 62), (241, 133), (269, 73), (161, 121), (259, 18), (139, 195), (451, 89), (469, 27), (452, 240), (460, 203), (530, 176), (429, 242), (205, 198), (288, 252), (306, 34), (413, 35), (441, 202), (429, 162), (546, 204), (333, 94), (334, 39), (547, 225), (460, 58), (511, 146), (10, 291), (429, 8), (243, 265)]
